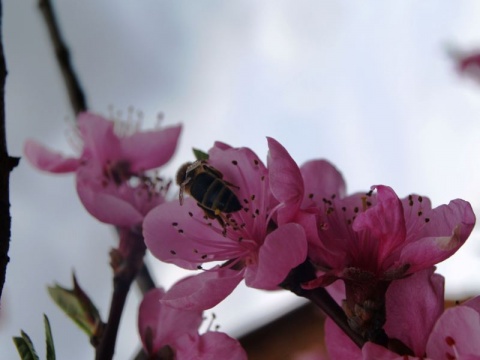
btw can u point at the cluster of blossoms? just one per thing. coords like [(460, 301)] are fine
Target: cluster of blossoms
[(295, 228)]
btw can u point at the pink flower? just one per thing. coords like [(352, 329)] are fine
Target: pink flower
[(469, 64), (111, 170), (174, 333), (369, 240), (382, 237), (250, 245), (415, 316)]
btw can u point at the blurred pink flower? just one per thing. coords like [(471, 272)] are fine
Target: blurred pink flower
[(251, 245), (110, 171), (469, 64), (173, 333)]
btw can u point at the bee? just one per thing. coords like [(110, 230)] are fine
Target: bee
[(206, 185)]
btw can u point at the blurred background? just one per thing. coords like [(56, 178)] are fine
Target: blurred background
[(369, 86)]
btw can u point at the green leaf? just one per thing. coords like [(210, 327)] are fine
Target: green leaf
[(199, 154), (78, 307), (49, 339), (25, 347)]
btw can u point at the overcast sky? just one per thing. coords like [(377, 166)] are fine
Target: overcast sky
[(368, 86)]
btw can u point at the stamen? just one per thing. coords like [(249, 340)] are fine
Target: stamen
[(365, 203), (451, 342)]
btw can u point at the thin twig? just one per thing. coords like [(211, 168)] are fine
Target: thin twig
[(75, 92), (7, 163)]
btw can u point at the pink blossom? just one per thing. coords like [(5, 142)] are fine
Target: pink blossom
[(110, 170), (469, 64), (171, 332), (369, 240), (250, 244), (376, 235), (415, 316)]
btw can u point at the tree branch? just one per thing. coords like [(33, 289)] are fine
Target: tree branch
[(75, 92), (7, 163)]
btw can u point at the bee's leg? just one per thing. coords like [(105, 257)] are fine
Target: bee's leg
[(211, 214), (231, 185)]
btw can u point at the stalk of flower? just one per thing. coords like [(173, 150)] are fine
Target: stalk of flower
[(169, 333), (114, 184), (245, 244), (369, 240)]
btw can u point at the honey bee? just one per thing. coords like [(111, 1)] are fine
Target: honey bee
[(205, 184)]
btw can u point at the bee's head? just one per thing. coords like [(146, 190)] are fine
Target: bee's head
[(182, 173)]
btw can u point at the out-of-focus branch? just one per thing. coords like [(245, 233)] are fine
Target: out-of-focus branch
[(7, 163), (75, 92), (144, 279)]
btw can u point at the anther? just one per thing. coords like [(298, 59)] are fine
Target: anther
[(450, 341)]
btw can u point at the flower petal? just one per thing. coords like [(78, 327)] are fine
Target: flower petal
[(212, 345), (474, 303), (322, 181), (371, 351), (413, 306), (47, 160), (283, 249), (339, 345), (179, 234), (150, 149), (384, 222), (106, 207), (286, 181), (203, 291), (166, 324), (99, 139), (447, 230), (456, 333)]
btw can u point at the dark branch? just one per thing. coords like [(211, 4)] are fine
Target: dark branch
[(126, 262), (320, 297), (75, 92), (7, 163)]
